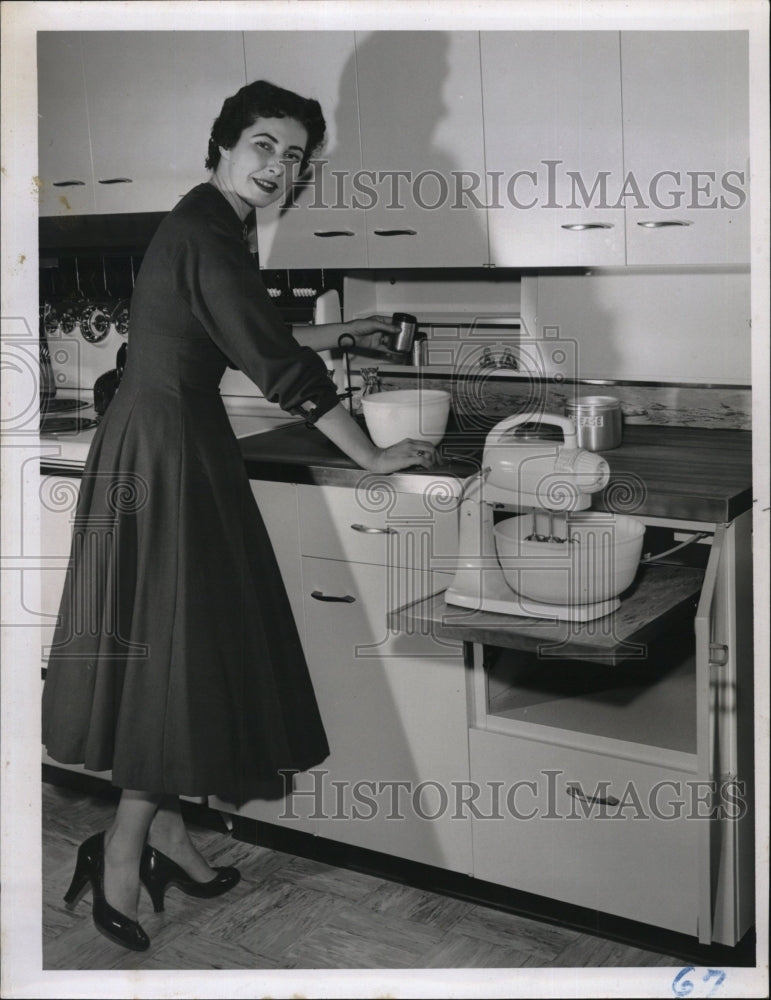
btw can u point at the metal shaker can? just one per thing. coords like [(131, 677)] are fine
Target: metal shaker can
[(597, 420), (420, 349), (408, 326)]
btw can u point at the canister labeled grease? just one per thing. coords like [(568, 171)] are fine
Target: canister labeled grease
[(597, 420)]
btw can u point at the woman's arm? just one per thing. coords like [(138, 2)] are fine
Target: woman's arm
[(341, 429), (325, 336)]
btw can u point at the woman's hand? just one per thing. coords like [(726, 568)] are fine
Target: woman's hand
[(403, 455), (367, 330), (341, 429)]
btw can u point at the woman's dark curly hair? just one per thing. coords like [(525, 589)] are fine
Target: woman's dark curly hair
[(264, 100)]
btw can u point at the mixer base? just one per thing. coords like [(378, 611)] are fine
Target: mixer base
[(499, 598)]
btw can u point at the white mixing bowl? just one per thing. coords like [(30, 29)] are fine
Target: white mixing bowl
[(406, 413), (598, 563)]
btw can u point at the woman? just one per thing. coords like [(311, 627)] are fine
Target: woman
[(176, 662)]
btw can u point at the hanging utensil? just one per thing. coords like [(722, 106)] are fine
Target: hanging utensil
[(120, 314), (50, 320), (68, 319), (94, 323), (95, 319), (120, 317), (72, 307)]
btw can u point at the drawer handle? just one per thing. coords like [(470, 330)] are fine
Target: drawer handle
[(345, 599), (333, 232), (579, 227), (576, 793), (396, 232), (68, 184), (116, 180), (374, 531), (663, 225)]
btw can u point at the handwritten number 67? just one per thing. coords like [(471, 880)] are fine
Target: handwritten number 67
[(682, 987)]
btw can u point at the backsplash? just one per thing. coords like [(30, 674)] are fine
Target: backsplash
[(478, 401)]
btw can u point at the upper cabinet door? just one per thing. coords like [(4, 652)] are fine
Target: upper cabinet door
[(421, 114), (152, 98), (686, 142), (66, 182), (321, 229), (552, 110)]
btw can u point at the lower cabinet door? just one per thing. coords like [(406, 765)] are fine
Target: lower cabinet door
[(608, 834), (394, 708)]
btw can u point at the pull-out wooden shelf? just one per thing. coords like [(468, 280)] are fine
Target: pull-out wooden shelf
[(660, 596)]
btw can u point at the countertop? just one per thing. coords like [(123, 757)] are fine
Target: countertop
[(675, 472)]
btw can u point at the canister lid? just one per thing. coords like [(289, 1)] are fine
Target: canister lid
[(593, 403)]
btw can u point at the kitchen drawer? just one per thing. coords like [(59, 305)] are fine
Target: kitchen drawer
[(375, 524), (357, 598), (622, 857)]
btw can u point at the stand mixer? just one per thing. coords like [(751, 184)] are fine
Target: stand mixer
[(542, 481)]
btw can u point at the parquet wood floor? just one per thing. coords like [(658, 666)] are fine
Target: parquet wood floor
[(294, 913)]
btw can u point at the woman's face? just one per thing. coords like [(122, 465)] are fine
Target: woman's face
[(264, 162)]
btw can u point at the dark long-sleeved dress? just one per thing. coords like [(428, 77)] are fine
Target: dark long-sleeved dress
[(176, 662)]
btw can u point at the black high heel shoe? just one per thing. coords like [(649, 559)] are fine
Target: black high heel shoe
[(111, 922), (158, 871)]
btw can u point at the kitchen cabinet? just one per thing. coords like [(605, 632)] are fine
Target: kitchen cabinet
[(444, 149), (321, 229), (553, 147), (393, 704), (542, 842), (152, 97), (627, 787), (395, 710), (686, 143), (420, 101), (128, 114), (65, 177)]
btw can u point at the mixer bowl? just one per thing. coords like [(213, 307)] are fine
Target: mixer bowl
[(597, 561), (406, 413)]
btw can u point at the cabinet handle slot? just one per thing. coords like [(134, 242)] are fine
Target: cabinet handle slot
[(325, 233), (68, 184), (599, 800), (396, 232), (578, 227), (664, 224), (116, 180), (718, 654), (365, 530), (333, 598)]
